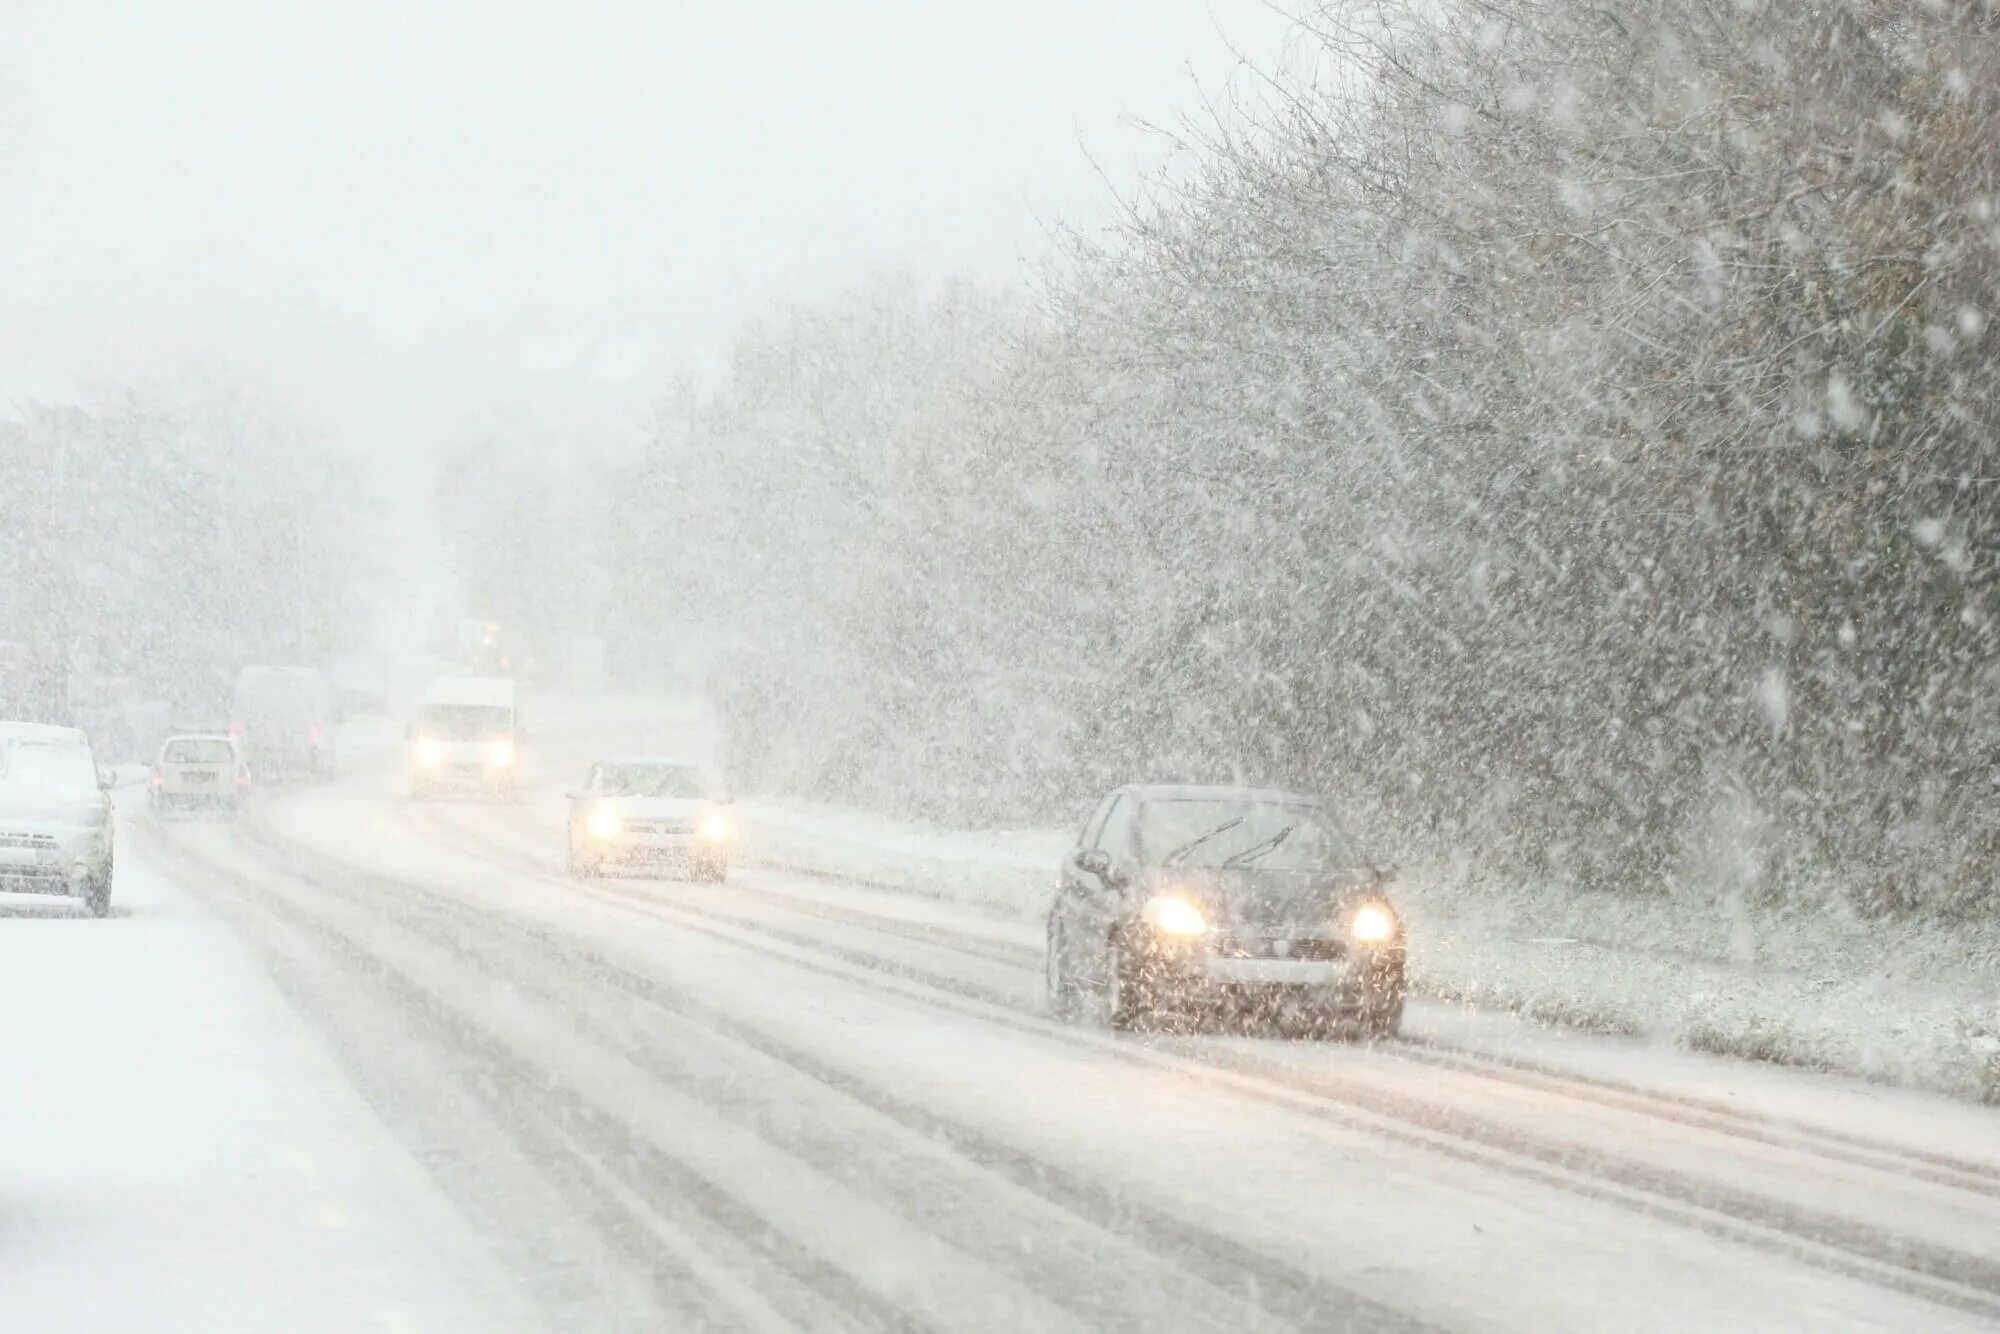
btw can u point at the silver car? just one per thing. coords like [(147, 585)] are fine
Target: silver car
[(198, 772), (645, 812), (55, 816)]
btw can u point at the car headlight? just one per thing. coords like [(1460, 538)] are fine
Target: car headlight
[(714, 827), (1373, 924), (604, 823), (1173, 916), (430, 752), (500, 753)]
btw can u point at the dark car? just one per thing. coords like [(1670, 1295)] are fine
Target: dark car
[(1181, 901)]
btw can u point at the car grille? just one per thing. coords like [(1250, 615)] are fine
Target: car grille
[(655, 827), (1309, 949), (20, 840)]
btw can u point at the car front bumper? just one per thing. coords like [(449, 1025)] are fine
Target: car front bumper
[(1342, 981), (60, 866), (657, 850)]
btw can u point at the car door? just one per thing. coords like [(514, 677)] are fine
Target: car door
[(1093, 901), (1074, 885)]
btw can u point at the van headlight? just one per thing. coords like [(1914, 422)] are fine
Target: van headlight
[(714, 827), (604, 823), (430, 752), (501, 753)]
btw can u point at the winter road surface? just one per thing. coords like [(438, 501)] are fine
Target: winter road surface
[(359, 1063)]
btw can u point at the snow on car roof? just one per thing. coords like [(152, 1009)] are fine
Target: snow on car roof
[(663, 761), (1219, 792), (491, 691), (42, 732)]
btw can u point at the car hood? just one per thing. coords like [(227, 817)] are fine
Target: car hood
[(30, 810), (1245, 897), (656, 808)]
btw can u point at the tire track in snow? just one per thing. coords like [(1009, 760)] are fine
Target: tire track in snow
[(1961, 1279)]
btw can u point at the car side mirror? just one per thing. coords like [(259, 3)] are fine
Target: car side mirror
[(725, 799), (1095, 861), (576, 794), (104, 777), (1384, 874)]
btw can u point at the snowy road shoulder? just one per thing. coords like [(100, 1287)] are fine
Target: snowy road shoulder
[(183, 1152)]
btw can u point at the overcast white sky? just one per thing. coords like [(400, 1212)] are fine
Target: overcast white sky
[(395, 216)]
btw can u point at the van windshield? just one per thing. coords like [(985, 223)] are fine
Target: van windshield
[(466, 722)]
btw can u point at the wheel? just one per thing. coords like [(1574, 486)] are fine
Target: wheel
[(712, 872), (97, 894), (1061, 987), (1128, 1003), (1384, 1021)]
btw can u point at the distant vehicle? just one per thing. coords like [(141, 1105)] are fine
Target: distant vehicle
[(56, 825), (283, 721), (198, 771), (468, 737), (645, 812), (360, 686), (1184, 901)]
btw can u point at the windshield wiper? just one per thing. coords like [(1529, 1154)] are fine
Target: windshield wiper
[(1256, 850), (1189, 846)]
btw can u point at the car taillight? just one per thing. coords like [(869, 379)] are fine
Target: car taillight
[(157, 781), (236, 731), (242, 777), (314, 734)]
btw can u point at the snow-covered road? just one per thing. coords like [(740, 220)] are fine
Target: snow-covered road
[(790, 1101)]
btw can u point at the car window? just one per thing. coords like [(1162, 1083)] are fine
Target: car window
[(655, 780), (594, 780), (199, 750), (55, 768), (1238, 831), (1116, 835), (1087, 838)]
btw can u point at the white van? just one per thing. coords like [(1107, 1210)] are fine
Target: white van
[(467, 737)]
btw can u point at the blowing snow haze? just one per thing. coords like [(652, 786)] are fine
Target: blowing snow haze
[(1000, 667), (394, 216)]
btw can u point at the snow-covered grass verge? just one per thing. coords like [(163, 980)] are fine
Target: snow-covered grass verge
[(1903, 1002), (1907, 1003)]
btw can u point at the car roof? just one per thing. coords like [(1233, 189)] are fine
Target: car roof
[(197, 736), (490, 691), (1219, 792), (43, 732), (663, 761)]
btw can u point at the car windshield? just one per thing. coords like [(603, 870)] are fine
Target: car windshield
[(1212, 832), (652, 780), (54, 768), (198, 750), (466, 722)]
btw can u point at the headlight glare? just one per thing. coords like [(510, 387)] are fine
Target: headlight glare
[(1373, 925), (714, 827), (1171, 915), (500, 753), (604, 823), (430, 752)]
